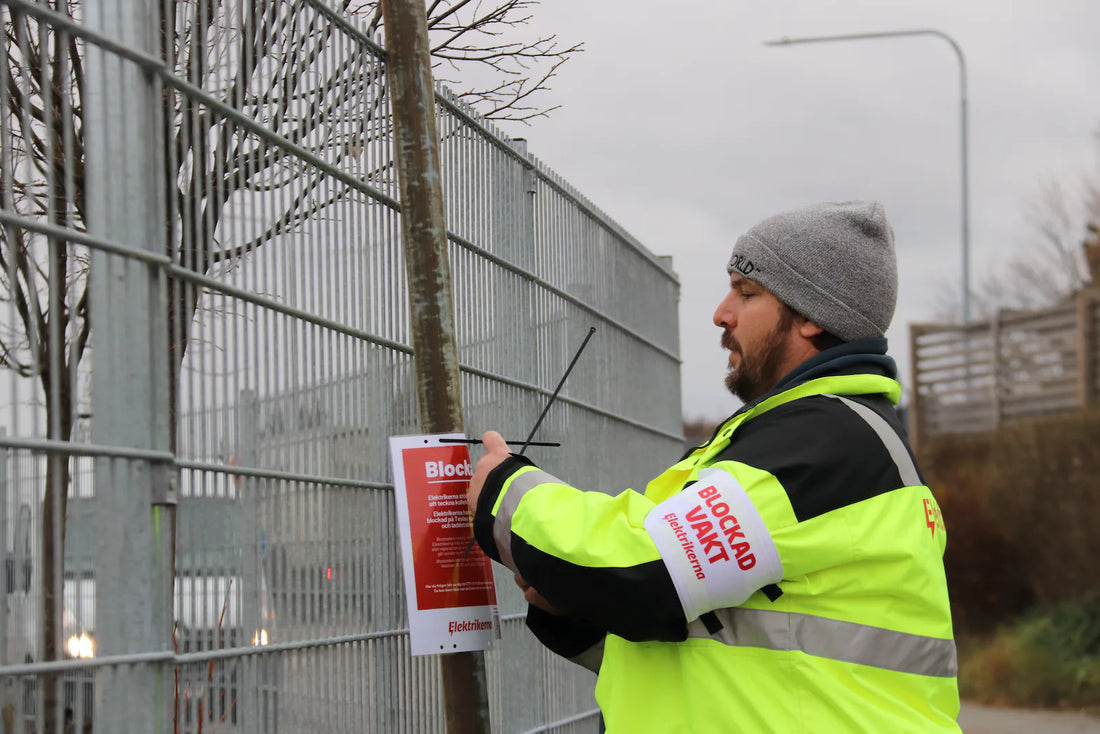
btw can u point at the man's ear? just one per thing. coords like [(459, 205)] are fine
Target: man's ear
[(808, 329)]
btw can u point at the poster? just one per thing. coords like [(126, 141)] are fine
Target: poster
[(448, 582)]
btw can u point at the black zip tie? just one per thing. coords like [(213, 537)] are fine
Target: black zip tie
[(528, 442), (591, 331), (478, 440)]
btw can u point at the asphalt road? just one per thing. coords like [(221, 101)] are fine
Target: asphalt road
[(978, 719)]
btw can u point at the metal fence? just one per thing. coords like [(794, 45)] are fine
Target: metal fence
[(977, 377), (196, 503)]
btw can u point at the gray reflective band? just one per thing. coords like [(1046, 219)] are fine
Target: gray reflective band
[(502, 525), (833, 639), (890, 439)]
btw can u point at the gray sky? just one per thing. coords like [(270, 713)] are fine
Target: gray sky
[(684, 128)]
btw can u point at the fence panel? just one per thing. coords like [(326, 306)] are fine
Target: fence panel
[(1016, 365), (953, 379), (196, 502)]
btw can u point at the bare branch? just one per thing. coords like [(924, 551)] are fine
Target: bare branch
[(435, 20), (468, 34), (294, 213), (509, 95)]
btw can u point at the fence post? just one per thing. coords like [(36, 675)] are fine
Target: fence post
[(424, 234), (995, 367), (9, 567), (135, 498), (518, 185), (914, 387), (1086, 346)]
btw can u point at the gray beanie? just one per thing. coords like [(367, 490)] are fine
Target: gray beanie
[(833, 263)]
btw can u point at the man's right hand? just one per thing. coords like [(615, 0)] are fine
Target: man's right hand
[(496, 451)]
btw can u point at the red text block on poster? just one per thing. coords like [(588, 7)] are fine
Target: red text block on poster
[(436, 479)]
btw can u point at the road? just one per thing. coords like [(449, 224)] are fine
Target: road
[(978, 719)]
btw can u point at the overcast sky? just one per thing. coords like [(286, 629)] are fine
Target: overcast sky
[(678, 123)]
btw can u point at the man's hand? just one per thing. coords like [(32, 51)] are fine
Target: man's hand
[(533, 597), (496, 451)]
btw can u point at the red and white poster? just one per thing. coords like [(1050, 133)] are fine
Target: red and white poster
[(448, 579)]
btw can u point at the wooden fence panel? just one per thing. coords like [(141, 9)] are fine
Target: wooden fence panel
[(973, 378)]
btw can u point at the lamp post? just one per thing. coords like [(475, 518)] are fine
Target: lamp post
[(963, 150)]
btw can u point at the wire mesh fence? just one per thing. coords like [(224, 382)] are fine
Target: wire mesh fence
[(196, 504)]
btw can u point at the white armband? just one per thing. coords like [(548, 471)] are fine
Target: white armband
[(714, 543)]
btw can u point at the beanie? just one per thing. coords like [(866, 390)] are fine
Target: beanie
[(832, 262)]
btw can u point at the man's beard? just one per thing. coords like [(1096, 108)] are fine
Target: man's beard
[(758, 373)]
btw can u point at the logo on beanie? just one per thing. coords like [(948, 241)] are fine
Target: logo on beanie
[(743, 265)]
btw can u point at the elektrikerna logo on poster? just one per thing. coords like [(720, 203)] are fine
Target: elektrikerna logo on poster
[(469, 625)]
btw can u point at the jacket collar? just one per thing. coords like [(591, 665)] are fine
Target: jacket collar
[(863, 356)]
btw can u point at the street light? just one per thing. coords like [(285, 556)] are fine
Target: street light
[(962, 130)]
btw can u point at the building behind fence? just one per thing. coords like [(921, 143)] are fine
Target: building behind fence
[(977, 377), (203, 478)]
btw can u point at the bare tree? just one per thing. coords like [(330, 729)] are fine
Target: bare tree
[(1053, 265), (512, 68), (43, 280), (263, 60)]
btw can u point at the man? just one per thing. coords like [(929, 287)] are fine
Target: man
[(785, 576)]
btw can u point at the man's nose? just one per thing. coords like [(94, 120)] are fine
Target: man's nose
[(724, 316)]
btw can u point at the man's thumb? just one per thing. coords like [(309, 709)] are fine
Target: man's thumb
[(494, 442)]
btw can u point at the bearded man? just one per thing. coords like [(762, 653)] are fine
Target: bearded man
[(786, 575)]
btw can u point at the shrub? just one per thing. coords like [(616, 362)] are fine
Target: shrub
[(1021, 508), (1046, 659)]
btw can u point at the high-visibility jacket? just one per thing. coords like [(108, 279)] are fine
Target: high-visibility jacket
[(786, 576)]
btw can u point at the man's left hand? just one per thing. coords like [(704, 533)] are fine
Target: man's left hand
[(533, 597)]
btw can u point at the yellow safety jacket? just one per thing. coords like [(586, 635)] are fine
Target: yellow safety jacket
[(786, 576)]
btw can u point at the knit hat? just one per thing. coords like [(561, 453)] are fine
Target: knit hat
[(833, 263)]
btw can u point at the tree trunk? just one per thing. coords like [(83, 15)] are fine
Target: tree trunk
[(53, 557)]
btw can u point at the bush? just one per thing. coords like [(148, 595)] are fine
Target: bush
[(982, 565), (1046, 659), (1023, 558), (1021, 507)]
